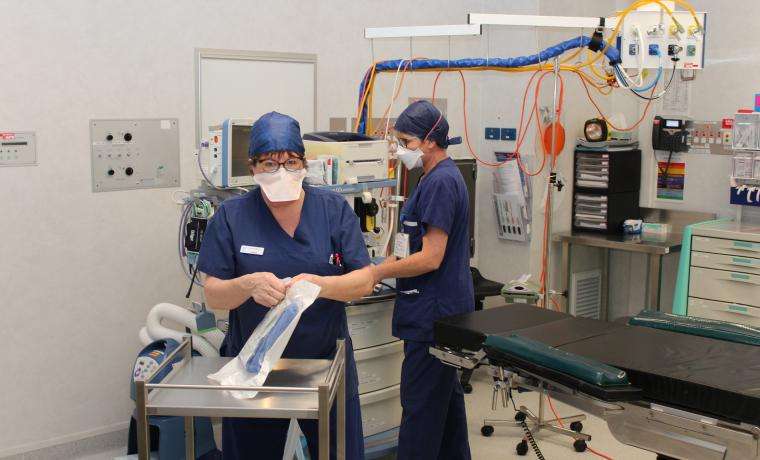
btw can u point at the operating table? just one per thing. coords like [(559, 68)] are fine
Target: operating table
[(681, 387)]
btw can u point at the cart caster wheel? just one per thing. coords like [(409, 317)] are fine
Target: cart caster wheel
[(579, 445), (486, 430), (467, 388), (522, 448), (576, 426), (520, 416)]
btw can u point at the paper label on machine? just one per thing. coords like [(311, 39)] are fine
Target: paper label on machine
[(401, 246)]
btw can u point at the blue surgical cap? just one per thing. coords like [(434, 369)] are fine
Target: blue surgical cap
[(420, 118), (275, 132)]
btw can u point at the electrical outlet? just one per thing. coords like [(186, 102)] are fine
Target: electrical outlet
[(654, 49), (508, 134), (493, 134)]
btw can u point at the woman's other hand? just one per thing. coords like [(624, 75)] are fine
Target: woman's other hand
[(265, 288)]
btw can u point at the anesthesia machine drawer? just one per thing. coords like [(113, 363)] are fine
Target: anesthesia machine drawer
[(379, 367), (381, 410), (370, 324)]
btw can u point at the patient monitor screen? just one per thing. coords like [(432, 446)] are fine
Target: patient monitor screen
[(239, 150)]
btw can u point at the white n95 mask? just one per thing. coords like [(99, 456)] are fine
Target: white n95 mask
[(411, 158), (281, 185)]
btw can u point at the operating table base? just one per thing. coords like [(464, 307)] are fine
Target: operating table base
[(524, 418)]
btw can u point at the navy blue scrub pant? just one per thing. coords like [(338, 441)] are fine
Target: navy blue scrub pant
[(264, 439), (434, 423)]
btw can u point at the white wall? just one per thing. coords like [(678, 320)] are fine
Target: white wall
[(79, 271)]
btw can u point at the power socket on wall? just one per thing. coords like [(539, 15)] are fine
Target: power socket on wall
[(501, 134)]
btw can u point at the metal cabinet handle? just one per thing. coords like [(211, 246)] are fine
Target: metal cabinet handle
[(746, 246), (738, 309), (742, 278), (741, 262)]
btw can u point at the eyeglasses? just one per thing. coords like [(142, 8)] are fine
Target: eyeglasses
[(404, 142), (291, 164)]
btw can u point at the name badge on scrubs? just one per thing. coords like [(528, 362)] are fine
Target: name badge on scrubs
[(401, 246), (253, 250)]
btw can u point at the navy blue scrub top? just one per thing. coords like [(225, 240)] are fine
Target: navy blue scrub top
[(328, 225), (440, 200)]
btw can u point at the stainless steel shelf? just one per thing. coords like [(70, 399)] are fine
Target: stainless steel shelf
[(296, 388)]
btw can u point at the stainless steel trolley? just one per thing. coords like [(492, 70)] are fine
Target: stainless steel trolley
[(296, 388)]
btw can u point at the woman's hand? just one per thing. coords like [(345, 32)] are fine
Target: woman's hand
[(265, 288)]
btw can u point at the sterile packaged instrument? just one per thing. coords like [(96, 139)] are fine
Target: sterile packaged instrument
[(317, 172), (296, 446), (745, 133), (743, 165), (267, 342)]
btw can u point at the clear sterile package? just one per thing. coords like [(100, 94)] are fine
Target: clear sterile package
[(267, 342), (296, 446)]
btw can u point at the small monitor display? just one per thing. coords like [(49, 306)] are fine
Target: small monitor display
[(239, 151), (672, 123)]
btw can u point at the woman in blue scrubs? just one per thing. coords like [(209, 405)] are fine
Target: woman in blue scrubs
[(434, 281), (275, 231)]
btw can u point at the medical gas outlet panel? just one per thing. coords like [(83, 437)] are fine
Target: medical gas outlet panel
[(649, 39), (18, 148), (134, 154)]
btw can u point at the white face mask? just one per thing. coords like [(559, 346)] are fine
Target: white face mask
[(411, 158), (282, 185)]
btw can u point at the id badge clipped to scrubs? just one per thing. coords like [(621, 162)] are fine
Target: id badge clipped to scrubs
[(401, 245)]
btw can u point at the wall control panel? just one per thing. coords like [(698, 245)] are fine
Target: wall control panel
[(649, 38), (133, 154), (18, 148)]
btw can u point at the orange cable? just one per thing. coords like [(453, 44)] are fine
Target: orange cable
[(562, 425), (604, 117)]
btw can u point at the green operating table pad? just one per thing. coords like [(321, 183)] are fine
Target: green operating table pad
[(584, 369)]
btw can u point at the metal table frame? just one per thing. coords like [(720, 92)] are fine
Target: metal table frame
[(647, 425), (333, 386), (654, 250)]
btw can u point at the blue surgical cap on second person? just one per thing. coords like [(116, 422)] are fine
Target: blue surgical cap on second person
[(275, 132), (419, 120)]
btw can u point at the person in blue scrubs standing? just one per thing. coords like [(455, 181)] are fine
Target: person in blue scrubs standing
[(275, 231), (434, 281)]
